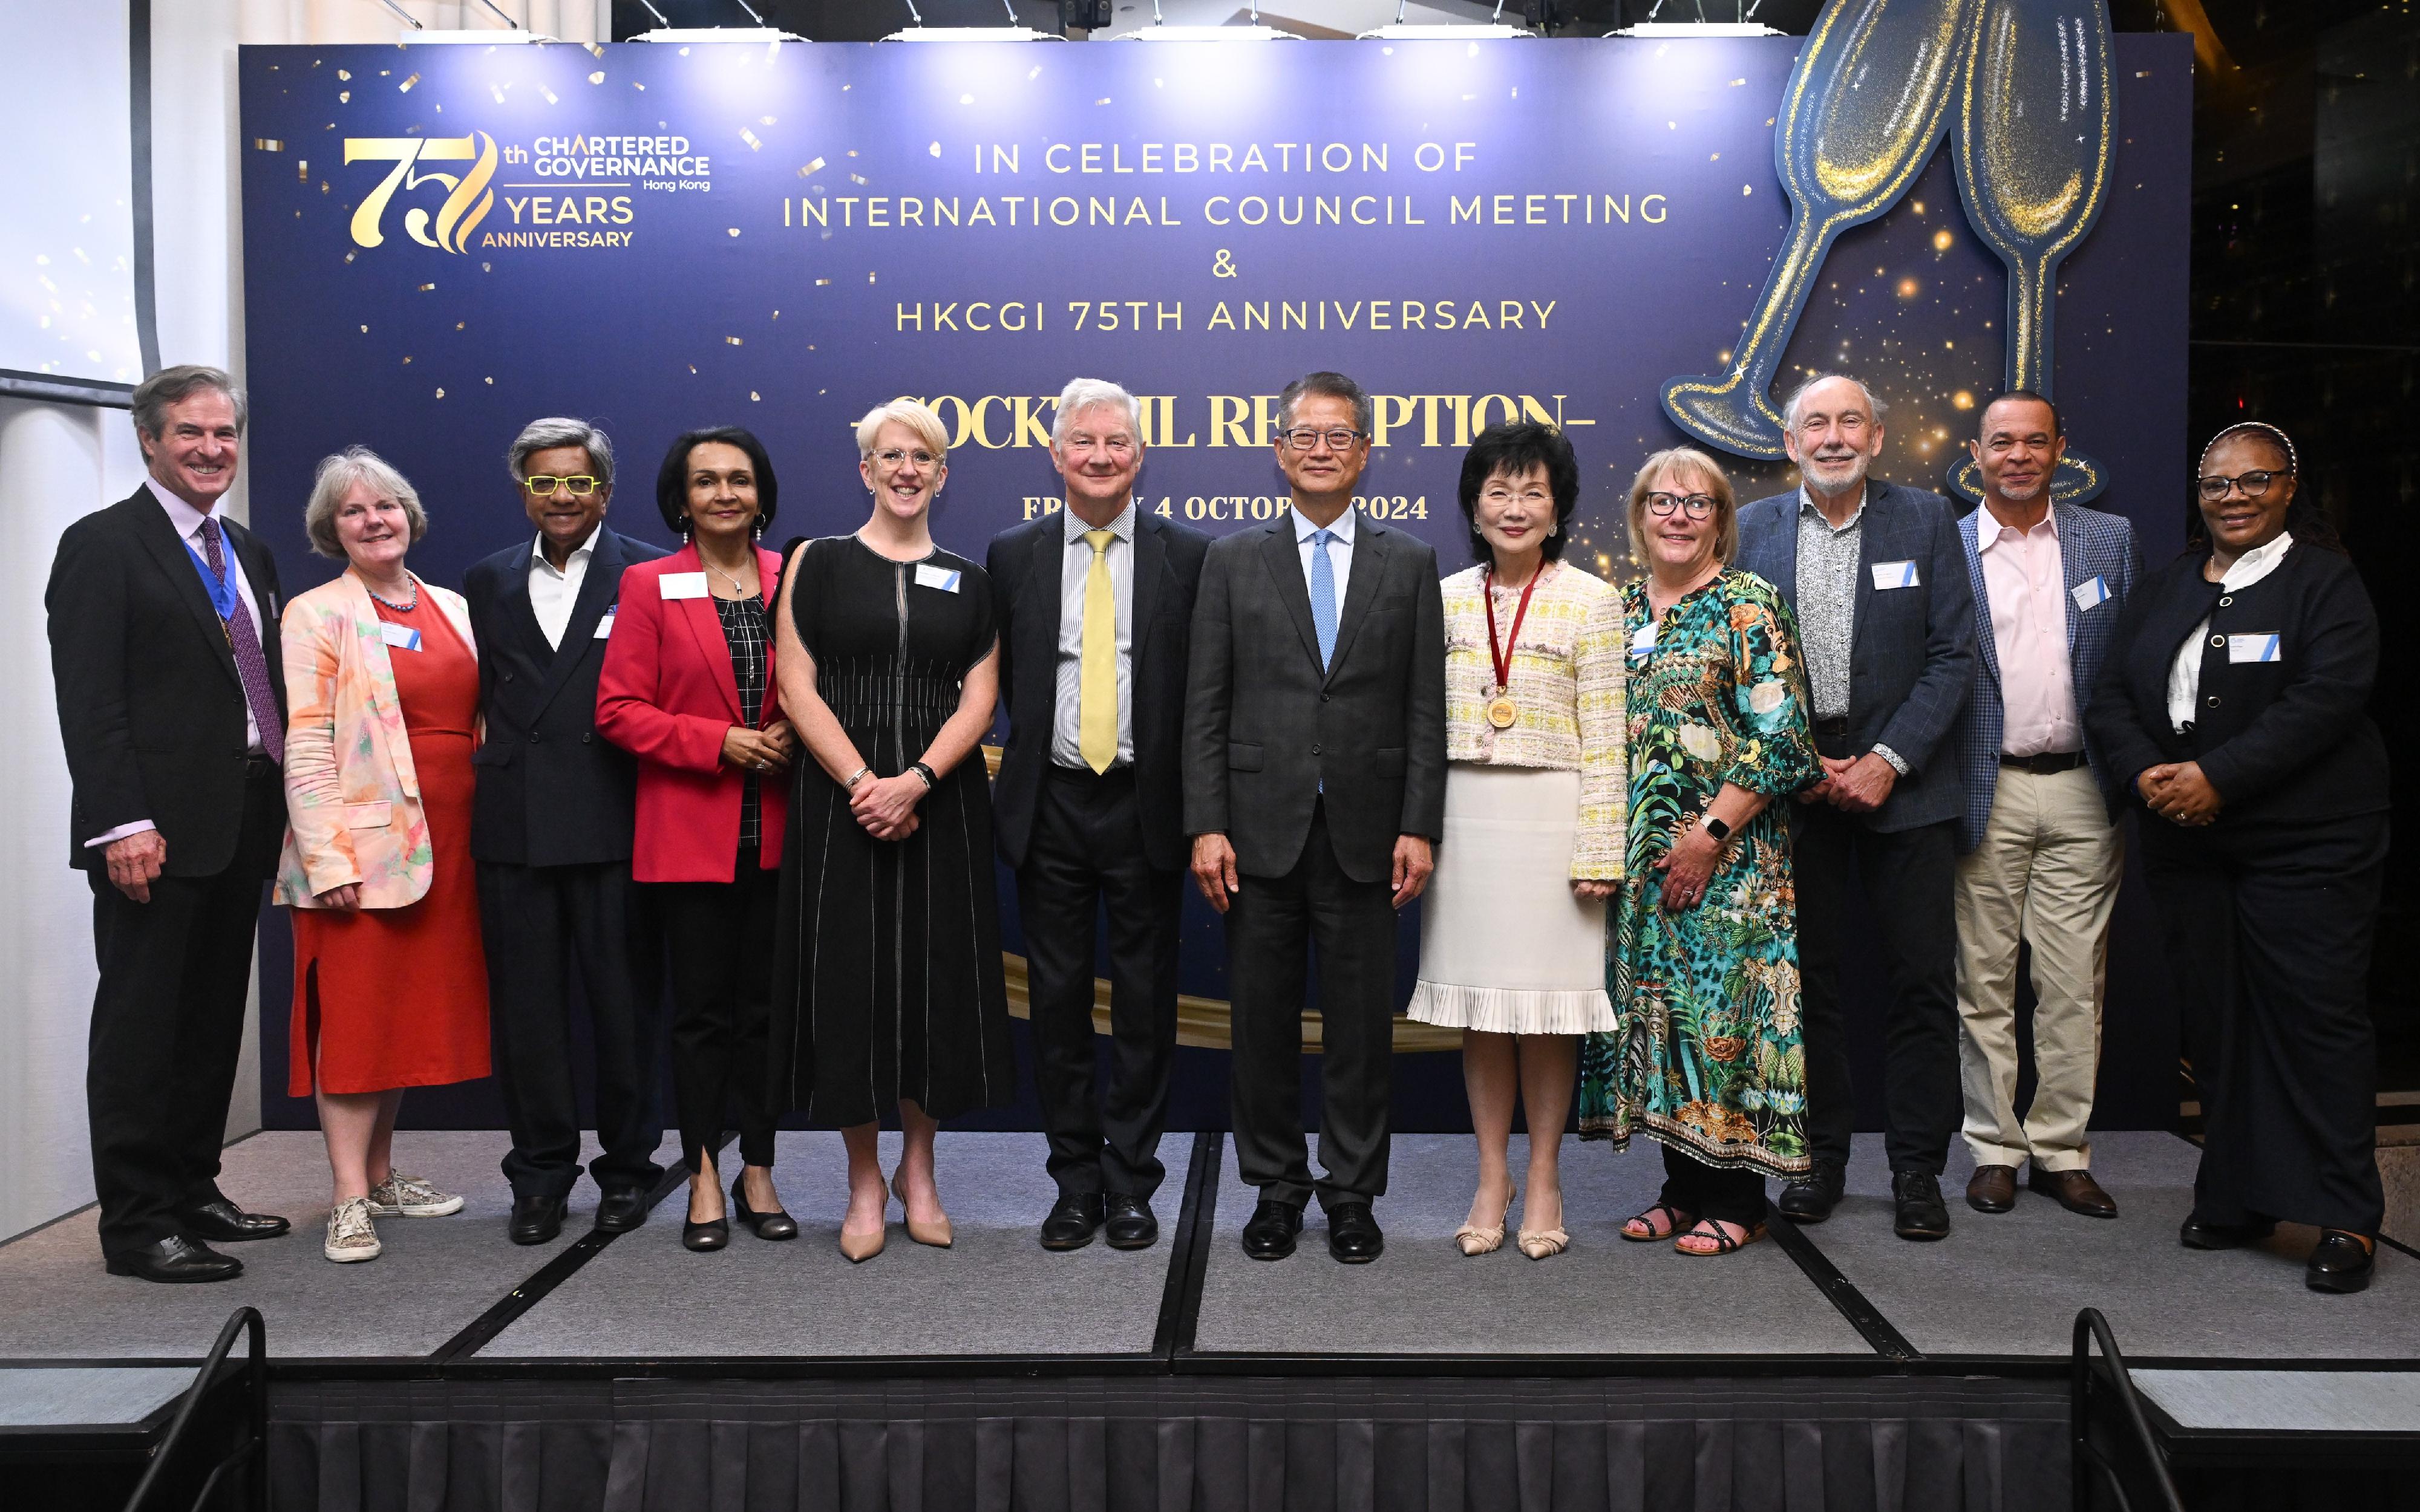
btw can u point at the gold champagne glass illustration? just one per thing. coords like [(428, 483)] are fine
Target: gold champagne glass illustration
[(1865, 104), (2037, 115)]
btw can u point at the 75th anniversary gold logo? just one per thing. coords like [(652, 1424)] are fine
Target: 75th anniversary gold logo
[(468, 198)]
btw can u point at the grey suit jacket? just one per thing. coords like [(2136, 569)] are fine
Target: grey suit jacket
[(1265, 727), (1911, 656)]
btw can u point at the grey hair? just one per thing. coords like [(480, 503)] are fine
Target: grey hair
[(336, 476), (561, 430), (1084, 393), (1789, 407), (174, 385), (1329, 385)]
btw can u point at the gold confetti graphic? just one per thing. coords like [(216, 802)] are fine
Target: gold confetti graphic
[(302, 170), (267, 143), (341, 74), (598, 77), (809, 168), (405, 88), (428, 287), (732, 340), (749, 138)]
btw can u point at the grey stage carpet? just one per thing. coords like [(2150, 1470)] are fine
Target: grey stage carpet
[(52, 1397), (1602, 1296), (996, 1291), (2011, 1283), (437, 1275)]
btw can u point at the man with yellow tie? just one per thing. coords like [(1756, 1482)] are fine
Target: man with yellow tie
[(1096, 605)]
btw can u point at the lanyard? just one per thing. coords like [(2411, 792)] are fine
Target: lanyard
[(1501, 654)]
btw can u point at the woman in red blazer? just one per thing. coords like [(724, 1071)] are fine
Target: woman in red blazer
[(687, 689)]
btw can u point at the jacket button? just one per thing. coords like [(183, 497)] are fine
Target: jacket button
[(1325, 697), (2226, 599), (2218, 640), (1315, 751), (508, 677), (2211, 701), (588, 737), (533, 740)]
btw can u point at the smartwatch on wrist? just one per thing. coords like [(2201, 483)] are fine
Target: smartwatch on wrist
[(1715, 828)]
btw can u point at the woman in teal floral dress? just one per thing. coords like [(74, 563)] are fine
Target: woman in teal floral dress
[(1703, 969)]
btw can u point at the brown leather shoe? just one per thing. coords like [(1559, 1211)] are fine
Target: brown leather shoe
[(1991, 1188), (2075, 1191)]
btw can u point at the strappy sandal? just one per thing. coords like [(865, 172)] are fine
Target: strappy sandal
[(1724, 1243), (1538, 1243), (1473, 1240), (1678, 1221)]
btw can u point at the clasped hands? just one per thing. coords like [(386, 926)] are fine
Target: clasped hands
[(1853, 784), (1215, 873), (2179, 792), (769, 750)]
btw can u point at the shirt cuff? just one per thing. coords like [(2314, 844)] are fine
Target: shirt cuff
[(137, 827), (1893, 756)]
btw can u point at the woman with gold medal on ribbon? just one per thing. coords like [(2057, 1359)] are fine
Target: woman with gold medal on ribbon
[(1512, 929)]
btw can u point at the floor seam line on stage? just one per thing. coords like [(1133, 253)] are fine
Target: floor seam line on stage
[(1863, 1316), (1189, 1272)]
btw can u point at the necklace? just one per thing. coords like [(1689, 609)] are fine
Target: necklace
[(737, 585), (404, 608)]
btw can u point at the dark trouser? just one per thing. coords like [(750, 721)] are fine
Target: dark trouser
[(2268, 932), (719, 942), (1271, 924), (1086, 854), (542, 923), (167, 1029), (1727, 1197), (1910, 882)]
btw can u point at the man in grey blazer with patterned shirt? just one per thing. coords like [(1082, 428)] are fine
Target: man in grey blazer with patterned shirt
[(2041, 854), (1886, 629)]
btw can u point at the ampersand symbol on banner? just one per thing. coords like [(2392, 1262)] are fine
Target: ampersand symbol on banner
[(1222, 265)]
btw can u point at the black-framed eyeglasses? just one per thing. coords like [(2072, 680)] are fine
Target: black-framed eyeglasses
[(1302, 437), (2253, 484), (579, 486), (1697, 505)]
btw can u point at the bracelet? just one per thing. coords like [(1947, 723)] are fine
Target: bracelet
[(926, 772), (855, 778)]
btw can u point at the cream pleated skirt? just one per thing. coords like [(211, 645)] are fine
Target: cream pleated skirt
[(1505, 946)]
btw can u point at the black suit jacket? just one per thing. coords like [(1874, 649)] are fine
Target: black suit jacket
[(2289, 739), (1265, 727), (553, 792), (150, 705), (1025, 564)]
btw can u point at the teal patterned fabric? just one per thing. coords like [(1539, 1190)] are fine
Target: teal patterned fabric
[(1707, 1054)]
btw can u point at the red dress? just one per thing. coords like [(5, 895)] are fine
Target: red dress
[(398, 996)]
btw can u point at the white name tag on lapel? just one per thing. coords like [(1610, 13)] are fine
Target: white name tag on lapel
[(944, 579), (1895, 575), (2247, 647), (605, 622), (404, 637), (682, 584), (2090, 594), (1643, 645)]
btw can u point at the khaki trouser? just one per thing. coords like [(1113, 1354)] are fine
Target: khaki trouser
[(2047, 872)]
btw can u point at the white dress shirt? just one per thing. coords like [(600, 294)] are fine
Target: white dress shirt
[(1340, 553), (552, 593), (1075, 571), (2184, 673)]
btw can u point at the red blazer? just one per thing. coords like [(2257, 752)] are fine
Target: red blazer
[(666, 694)]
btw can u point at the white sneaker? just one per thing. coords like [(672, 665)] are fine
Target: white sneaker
[(351, 1236), (408, 1196)]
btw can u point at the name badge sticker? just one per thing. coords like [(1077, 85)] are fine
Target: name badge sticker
[(944, 579), (2090, 594), (1895, 575), (2243, 646), (605, 622), (1643, 645), (682, 585), (400, 637)]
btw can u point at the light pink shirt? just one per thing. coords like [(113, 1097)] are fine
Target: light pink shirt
[(2026, 583)]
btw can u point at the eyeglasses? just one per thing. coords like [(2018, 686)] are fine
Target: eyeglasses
[(1498, 498), (1697, 505), (1302, 437), (579, 486), (2255, 484), (892, 457)]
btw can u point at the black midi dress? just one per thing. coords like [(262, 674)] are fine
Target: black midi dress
[(888, 980)]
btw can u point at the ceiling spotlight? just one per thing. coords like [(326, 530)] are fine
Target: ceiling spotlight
[(1159, 31), (1400, 30), (1016, 31), (666, 32), (1744, 23)]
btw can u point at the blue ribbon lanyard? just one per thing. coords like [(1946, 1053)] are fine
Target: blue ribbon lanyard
[(222, 590)]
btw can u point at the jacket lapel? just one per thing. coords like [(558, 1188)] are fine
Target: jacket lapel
[(1970, 536), (385, 702), (1283, 561), (705, 624), (2074, 569), (159, 537), (1038, 634), (1150, 561), (521, 620), (1869, 549), (596, 590), (1369, 548)]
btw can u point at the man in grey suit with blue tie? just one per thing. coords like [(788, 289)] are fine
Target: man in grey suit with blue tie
[(1886, 629), (2040, 853)]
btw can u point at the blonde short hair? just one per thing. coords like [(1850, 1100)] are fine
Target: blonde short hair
[(336, 478), (1687, 460), (910, 414)]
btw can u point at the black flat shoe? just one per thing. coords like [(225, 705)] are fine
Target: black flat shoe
[(622, 1209), (537, 1220), (2193, 1233), (774, 1225), (1072, 1220), (175, 1258), (1354, 1236), (2340, 1262), (1269, 1236), (1129, 1223), (1811, 1198), (1921, 1213), (223, 1223), (706, 1237)]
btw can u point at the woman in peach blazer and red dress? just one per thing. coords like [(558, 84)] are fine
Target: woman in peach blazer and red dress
[(687, 689), (382, 706)]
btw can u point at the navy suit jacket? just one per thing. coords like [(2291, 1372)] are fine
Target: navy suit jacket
[(1912, 657)]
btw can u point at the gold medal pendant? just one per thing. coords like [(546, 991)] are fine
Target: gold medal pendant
[(1503, 713)]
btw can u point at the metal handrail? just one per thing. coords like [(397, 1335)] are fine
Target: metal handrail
[(2090, 1327), (255, 1438)]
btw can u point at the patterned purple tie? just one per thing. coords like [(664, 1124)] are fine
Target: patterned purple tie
[(251, 665)]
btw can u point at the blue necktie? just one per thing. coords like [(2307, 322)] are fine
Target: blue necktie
[(1323, 595)]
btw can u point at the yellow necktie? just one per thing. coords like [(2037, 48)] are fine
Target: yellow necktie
[(1096, 701)]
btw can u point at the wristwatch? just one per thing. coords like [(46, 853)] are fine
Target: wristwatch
[(1715, 828)]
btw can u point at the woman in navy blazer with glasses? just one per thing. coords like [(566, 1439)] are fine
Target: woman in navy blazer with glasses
[(687, 689)]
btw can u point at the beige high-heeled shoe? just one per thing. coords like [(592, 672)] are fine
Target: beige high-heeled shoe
[(1539, 1244), (861, 1248), (937, 1235), (1473, 1240)]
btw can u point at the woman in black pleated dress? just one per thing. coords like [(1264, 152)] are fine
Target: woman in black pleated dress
[(887, 982)]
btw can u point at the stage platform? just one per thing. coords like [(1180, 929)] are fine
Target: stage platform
[(460, 1369)]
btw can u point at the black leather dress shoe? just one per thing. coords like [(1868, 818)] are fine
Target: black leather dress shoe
[(1921, 1214), (175, 1258), (537, 1220), (2340, 1262), (1129, 1224), (1271, 1234), (1811, 1198), (1353, 1234), (1072, 1220), (622, 1209), (2194, 1233), (223, 1223)]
